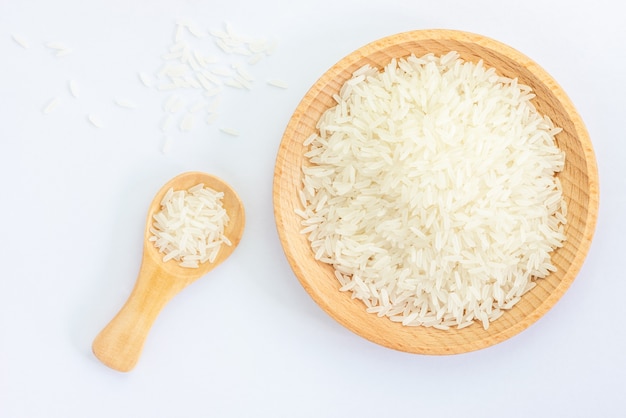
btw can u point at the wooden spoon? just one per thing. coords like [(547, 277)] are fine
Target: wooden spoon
[(120, 343)]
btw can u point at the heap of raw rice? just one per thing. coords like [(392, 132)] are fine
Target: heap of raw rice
[(189, 228), (431, 189)]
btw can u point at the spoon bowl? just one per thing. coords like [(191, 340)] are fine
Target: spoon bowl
[(120, 343)]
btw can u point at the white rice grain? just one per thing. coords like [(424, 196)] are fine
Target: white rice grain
[(173, 55), (214, 105), (52, 104), (277, 83), (192, 27), (206, 84), (234, 83), (74, 88), (255, 59), (210, 77), (212, 92), (230, 131), (95, 120), (197, 107), (56, 46), (243, 82), (211, 118), (59, 48), (179, 33), (186, 123), (165, 149), (243, 72), (173, 70), (221, 72), (167, 122), (21, 41), (125, 103), (63, 52), (224, 46), (218, 33), (174, 104), (146, 79)]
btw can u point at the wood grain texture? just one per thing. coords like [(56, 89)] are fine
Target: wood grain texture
[(579, 181), (120, 343)]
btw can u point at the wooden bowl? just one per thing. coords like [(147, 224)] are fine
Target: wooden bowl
[(579, 181)]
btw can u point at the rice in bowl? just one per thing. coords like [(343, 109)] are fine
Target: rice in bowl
[(430, 188)]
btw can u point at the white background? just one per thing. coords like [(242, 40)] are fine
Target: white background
[(247, 341)]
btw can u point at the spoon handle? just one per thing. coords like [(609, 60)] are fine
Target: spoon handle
[(120, 343)]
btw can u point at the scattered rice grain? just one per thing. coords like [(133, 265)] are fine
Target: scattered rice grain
[(277, 83), (21, 41), (234, 83), (95, 120), (212, 92), (146, 79), (74, 88), (222, 72), (167, 122), (255, 59), (230, 131), (211, 118), (167, 145), (243, 72), (174, 104), (197, 107), (56, 45), (121, 102), (63, 52), (52, 104), (187, 123)]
